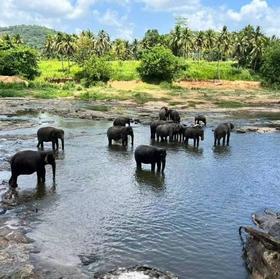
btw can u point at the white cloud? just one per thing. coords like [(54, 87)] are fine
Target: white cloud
[(201, 17), (124, 29)]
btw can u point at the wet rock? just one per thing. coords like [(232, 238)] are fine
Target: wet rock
[(88, 259), (262, 246), (137, 272), (240, 131)]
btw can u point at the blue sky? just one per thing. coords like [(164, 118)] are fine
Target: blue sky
[(131, 18)]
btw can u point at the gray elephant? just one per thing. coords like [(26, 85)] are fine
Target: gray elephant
[(200, 118), (168, 130), (163, 113), (154, 125), (47, 134), (222, 131), (122, 121), (194, 133), (174, 115), (119, 132), (28, 162), (147, 154)]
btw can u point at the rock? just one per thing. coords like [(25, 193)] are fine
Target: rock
[(262, 246), (240, 131)]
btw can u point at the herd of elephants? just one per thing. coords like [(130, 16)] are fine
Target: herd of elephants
[(166, 128)]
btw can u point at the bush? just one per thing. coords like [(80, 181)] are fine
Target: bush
[(95, 69), (20, 60), (159, 64), (270, 69)]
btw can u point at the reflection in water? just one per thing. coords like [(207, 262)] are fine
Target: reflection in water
[(222, 151), (193, 151), (149, 178)]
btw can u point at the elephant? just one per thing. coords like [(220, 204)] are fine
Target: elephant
[(122, 121), (174, 115), (28, 162), (148, 154), (154, 125), (163, 113), (199, 118), (193, 133), (120, 132), (52, 134), (170, 130), (222, 131)]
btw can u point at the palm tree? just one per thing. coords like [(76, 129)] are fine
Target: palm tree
[(68, 47), (49, 46), (17, 39), (187, 42), (103, 44), (199, 43), (176, 40)]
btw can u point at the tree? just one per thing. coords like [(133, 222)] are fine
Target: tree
[(270, 69), (68, 48), (103, 43), (19, 60), (85, 46), (176, 42), (151, 39), (187, 41), (199, 43), (159, 64)]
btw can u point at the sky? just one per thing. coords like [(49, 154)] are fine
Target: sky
[(129, 19)]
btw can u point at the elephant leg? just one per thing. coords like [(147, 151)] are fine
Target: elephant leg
[(41, 175), (57, 144), (224, 140), (228, 136), (138, 164), (197, 142), (187, 141), (53, 144), (219, 141), (38, 145), (215, 141), (153, 166), (158, 166), (13, 180)]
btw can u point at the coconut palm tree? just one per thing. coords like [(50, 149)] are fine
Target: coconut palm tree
[(187, 41), (199, 43), (103, 43), (176, 42), (69, 47)]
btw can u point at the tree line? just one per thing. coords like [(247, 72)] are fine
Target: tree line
[(246, 46)]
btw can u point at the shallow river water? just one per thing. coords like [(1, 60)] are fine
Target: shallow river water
[(104, 214)]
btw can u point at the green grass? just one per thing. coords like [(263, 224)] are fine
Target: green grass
[(52, 69), (229, 104), (127, 70), (204, 70)]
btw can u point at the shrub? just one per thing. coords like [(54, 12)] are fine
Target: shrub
[(159, 64), (20, 60), (270, 69), (95, 69)]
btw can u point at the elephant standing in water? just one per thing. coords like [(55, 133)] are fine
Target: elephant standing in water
[(120, 132), (164, 113), (174, 115), (28, 162), (199, 118), (122, 121), (193, 133), (170, 130), (47, 134), (147, 154), (222, 131), (154, 124)]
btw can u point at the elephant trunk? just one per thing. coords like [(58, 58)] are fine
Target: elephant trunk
[(53, 170), (163, 165)]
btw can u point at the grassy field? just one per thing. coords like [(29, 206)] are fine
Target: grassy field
[(127, 70)]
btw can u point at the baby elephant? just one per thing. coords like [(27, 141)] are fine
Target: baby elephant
[(28, 162), (193, 133), (47, 134), (148, 154), (121, 121), (222, 131), (199, 118), (119, 132)]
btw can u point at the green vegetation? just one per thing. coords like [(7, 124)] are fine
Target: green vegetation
[(270, 69), (159, 64), (94, 70), (125, 70), (33, 35), (19, 60)]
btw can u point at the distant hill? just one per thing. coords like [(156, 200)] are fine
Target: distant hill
[(32, 35)]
